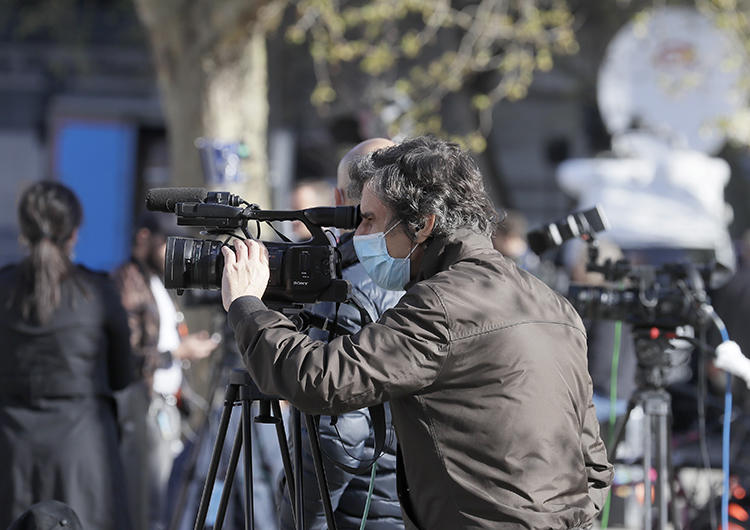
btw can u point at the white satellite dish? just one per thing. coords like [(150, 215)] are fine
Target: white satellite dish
[(674, 73), (669, 80)]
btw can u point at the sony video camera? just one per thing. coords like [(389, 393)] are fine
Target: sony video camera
[(304, 272)]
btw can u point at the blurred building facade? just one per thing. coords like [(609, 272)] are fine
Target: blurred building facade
[(87, 112), (83, 111)]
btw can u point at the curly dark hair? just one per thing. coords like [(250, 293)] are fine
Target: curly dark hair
[(426, 175)]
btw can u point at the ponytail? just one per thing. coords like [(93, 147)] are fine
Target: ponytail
[(49, 213)]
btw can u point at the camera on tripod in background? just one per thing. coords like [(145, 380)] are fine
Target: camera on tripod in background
[(304, 272), (665, 305), (663, 296), (666, 296), (583, 224)]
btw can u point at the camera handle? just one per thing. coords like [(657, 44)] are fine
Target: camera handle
[(243, 391)]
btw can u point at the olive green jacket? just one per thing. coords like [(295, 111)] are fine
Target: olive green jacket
[(485, 369)]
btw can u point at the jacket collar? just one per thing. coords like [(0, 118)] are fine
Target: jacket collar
[(442, 252)]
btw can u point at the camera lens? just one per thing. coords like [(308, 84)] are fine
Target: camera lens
[(193, 263)]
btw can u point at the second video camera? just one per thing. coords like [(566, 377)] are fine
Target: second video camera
[(667, 296)]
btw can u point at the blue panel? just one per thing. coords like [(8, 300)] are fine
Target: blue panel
[(97, 160)]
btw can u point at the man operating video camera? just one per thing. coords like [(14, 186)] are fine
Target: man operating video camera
[(484, 366)]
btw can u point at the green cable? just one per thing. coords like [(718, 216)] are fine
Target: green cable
[(613, 382), (369, 496), (612, 410), (605, 511)]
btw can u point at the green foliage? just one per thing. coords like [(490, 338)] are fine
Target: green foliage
[(73, 27), (734, 16), (70, 22), (432, 48)]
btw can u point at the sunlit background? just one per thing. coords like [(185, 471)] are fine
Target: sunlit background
[(110, 96)]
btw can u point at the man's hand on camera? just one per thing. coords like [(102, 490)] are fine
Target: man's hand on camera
[(246, 271)]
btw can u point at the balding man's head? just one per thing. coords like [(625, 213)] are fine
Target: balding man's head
[(361, 149)]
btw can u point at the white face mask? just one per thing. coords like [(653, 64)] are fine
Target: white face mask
[(386, 271)]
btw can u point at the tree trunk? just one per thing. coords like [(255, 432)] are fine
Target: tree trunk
[(210, 59)]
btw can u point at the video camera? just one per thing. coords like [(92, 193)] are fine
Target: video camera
[(304, 272), (663, 296), (666, 296), (577, 224)]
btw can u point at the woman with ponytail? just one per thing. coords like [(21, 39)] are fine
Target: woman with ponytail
[(65, 349)]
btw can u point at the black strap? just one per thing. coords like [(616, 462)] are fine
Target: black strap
[(332, 332), (364, 316), (323, 323), (377, 412), (377, 416)]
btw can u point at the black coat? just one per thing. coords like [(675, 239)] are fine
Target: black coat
[(58, 434)]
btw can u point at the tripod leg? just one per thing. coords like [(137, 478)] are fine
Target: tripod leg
[(229, 398), (179, 506), (320, 474), (248, 449), (299, 504), (189, 473), (229, 480), (285, 458), (663, 473), (647, 503), (656, 406), (620, 430), (676, 522)]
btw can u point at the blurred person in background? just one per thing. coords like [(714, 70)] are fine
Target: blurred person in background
[(349, 438), (510, 240), (732, 303), (65, 350), (309, 193), (150, 419)]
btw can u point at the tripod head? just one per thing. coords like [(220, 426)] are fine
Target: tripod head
[(663, 357), (250, 391)]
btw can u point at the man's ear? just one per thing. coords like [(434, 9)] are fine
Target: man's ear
[(339, 197), (426, 230)]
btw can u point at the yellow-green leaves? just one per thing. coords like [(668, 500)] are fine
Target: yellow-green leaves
[(431, 49)]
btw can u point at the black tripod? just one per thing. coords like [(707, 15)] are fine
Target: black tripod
[(242, 391), (657, 361)]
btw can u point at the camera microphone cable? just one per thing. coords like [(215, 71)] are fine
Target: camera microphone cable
[(729, 358), (369, 496), (703, 349), (612, 409), (613, 380)]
